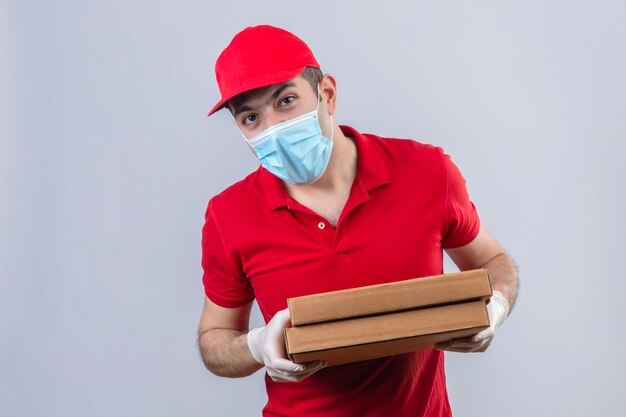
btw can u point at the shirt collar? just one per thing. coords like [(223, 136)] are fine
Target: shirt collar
[(371, 171)]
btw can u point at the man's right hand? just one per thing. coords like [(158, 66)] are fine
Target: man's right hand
[(267, 345)]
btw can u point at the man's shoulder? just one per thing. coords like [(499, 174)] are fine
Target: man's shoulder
[(408, 149), (236, 196)]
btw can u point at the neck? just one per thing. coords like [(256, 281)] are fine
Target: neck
[(339, 173)]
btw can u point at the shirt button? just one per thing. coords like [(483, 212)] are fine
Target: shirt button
[(321, 225)]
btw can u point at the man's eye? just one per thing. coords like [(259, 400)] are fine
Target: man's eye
[(249, 119), (287, 100)]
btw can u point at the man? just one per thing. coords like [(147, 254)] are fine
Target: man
[(329, 208)]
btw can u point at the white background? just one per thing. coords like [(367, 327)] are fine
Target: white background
[(107, 161)]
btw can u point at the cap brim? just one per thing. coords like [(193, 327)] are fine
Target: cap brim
[(258, 82)]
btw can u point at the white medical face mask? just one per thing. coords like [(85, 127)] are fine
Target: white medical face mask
[(295, 150)]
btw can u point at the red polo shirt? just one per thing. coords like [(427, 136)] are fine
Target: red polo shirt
[(407, 202)]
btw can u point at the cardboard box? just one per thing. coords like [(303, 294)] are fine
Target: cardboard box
[(390, 297), (353, 340), (387, 319)]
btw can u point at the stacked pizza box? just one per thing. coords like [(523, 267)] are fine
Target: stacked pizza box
[(387, 319)]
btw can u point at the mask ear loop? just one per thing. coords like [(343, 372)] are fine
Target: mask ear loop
[(318, 98), (332, 130)]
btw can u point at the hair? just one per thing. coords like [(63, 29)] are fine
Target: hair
[(313, 76)]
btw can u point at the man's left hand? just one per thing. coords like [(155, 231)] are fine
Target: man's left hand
[(498, 310)]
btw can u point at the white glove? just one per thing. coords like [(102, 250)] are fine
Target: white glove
[(498, 311), (267, 345)]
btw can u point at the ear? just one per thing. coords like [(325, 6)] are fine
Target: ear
[(328, 90)]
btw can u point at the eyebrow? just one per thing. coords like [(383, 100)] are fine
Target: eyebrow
[(279, 89)]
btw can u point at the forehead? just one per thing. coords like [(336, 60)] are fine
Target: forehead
[(262, 94)]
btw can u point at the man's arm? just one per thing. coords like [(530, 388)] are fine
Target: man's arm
[(229, 349), (222, 340), (485, 252)]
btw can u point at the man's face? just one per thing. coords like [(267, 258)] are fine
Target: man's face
[(256, 110)]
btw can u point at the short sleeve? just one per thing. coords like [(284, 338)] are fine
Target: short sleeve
[(224, 282), (461, 223)]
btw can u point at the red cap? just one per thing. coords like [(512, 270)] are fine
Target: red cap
[(259, 56)]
